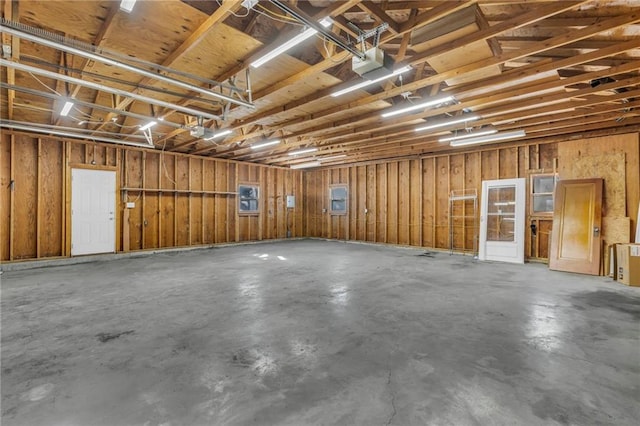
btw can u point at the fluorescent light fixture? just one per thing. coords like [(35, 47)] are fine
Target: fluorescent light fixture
[(305, 165), (66, 108), (369, 82), (148, 126), (414, 107), (309, 32), (127, 5), (500, 136), (303, 151), (333, 157), (468, 135), (218, 134), (457, 120), (265, 144)]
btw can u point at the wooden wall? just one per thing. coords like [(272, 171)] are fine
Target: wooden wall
[(197, 204), (397, 202), (407, 202)]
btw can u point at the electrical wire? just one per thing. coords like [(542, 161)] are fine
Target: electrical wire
[(235, 14), (164, 164), (40, 81), (274, 14), (326, 49)]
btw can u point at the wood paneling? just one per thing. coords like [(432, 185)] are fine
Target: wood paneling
[(182, 200), (612, 148), (407, 201), (25, 193), (6, 193), (50, 189), (179, 200)]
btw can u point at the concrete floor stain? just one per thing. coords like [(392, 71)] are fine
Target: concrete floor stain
[(105, 337)]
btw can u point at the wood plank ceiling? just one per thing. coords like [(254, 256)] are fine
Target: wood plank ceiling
[(555, 69)]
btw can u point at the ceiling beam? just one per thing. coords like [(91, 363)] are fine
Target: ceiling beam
[(192, 41), (339, 7), (523, 20), (11, 12), (376, 12), (435, 79)]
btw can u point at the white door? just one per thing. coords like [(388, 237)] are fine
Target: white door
[(502, 220), (93, 206)]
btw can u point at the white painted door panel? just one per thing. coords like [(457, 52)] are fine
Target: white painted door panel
[(93, 205), (502, 220)]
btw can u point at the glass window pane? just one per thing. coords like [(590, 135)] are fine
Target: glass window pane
[(338, 205), (248, 198), (338, 193), (543, 184), (501, 213), (500, 228), (502, 200), (543, 203), (338, 199)]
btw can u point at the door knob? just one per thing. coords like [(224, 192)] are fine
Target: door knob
[(596, 231)]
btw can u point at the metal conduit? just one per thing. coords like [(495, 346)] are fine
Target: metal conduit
[(99, 58), (109, 53), (29, 127), (97, 86), (87, 104)]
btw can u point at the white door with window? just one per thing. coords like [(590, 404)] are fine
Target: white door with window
[(502, 220), (93, 206)]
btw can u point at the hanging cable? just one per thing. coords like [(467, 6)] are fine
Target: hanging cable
[(40, 81)]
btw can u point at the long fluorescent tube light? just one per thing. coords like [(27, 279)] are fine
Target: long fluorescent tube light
[(490, 138), (127, 5), (148, 126), (309, 32), (218, 134), (305, 165), (333, 157), (265, 144), (414, 107), (370, 82), (303, 151), (66, 108), (462, 119), (28, 127), (468, 135)]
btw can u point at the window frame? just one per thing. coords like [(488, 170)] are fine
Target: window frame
[(241, 198), (545, 195), (340, 212)]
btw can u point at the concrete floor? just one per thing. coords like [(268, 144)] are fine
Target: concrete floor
[(317, 332)]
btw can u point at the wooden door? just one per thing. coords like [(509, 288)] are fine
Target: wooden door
[(575, 238)]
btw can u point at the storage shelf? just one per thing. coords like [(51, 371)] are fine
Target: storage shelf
[(460, 200), (179, 191)]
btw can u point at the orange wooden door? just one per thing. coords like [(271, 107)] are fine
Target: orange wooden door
[(575, 239)]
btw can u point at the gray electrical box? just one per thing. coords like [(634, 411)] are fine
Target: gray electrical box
[(291, 201)]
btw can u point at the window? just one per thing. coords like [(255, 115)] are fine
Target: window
[(542, 187), (248, 196), (338, 199)]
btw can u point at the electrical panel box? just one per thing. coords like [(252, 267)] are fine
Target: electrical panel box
[(291, 201)]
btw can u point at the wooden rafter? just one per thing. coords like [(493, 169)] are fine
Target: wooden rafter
[(11, 11), (191, 42)]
